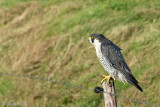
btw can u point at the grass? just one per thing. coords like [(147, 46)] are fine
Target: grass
[(6, 85), (48, 39)]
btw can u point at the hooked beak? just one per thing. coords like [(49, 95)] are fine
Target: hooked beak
[(89, 39)]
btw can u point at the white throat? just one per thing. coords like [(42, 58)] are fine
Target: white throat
[(97, 46)]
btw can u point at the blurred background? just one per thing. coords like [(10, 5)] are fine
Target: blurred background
[(49, 39)]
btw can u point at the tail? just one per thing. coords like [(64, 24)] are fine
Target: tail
[(137, 86), (135, 83)]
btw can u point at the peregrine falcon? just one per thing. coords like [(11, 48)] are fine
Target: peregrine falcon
[(112, 60)]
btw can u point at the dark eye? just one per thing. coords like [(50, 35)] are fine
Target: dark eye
[(92, 39)]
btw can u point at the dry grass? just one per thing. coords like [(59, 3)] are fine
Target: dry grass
[(50, 41)]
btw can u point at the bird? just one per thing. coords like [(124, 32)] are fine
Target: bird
[(112, 60)]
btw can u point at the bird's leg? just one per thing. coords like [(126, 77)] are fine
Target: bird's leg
[(106, 77)]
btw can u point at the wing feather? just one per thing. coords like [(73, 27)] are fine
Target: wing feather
[(114, 55)]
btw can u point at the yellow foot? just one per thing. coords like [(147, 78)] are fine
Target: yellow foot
[(106, 77)]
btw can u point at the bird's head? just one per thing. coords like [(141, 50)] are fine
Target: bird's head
[(94, 38)]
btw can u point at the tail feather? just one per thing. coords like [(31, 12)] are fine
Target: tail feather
[(134, 82), (136, 85)]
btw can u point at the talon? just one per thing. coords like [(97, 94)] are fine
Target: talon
[(106, 77)]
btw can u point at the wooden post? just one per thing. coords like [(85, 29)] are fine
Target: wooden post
[(110, 100)]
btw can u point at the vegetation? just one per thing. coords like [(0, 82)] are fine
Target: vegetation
[(49, 39)]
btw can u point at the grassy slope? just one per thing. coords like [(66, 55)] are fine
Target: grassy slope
[(49, 39)]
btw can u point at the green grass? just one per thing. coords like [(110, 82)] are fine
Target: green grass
[(48, 39), (6, 85)]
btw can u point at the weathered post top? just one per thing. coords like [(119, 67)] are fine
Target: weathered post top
[(110, 99)]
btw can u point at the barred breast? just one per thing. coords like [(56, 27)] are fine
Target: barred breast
[(108, 67), (105, 63), (111, 70)]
